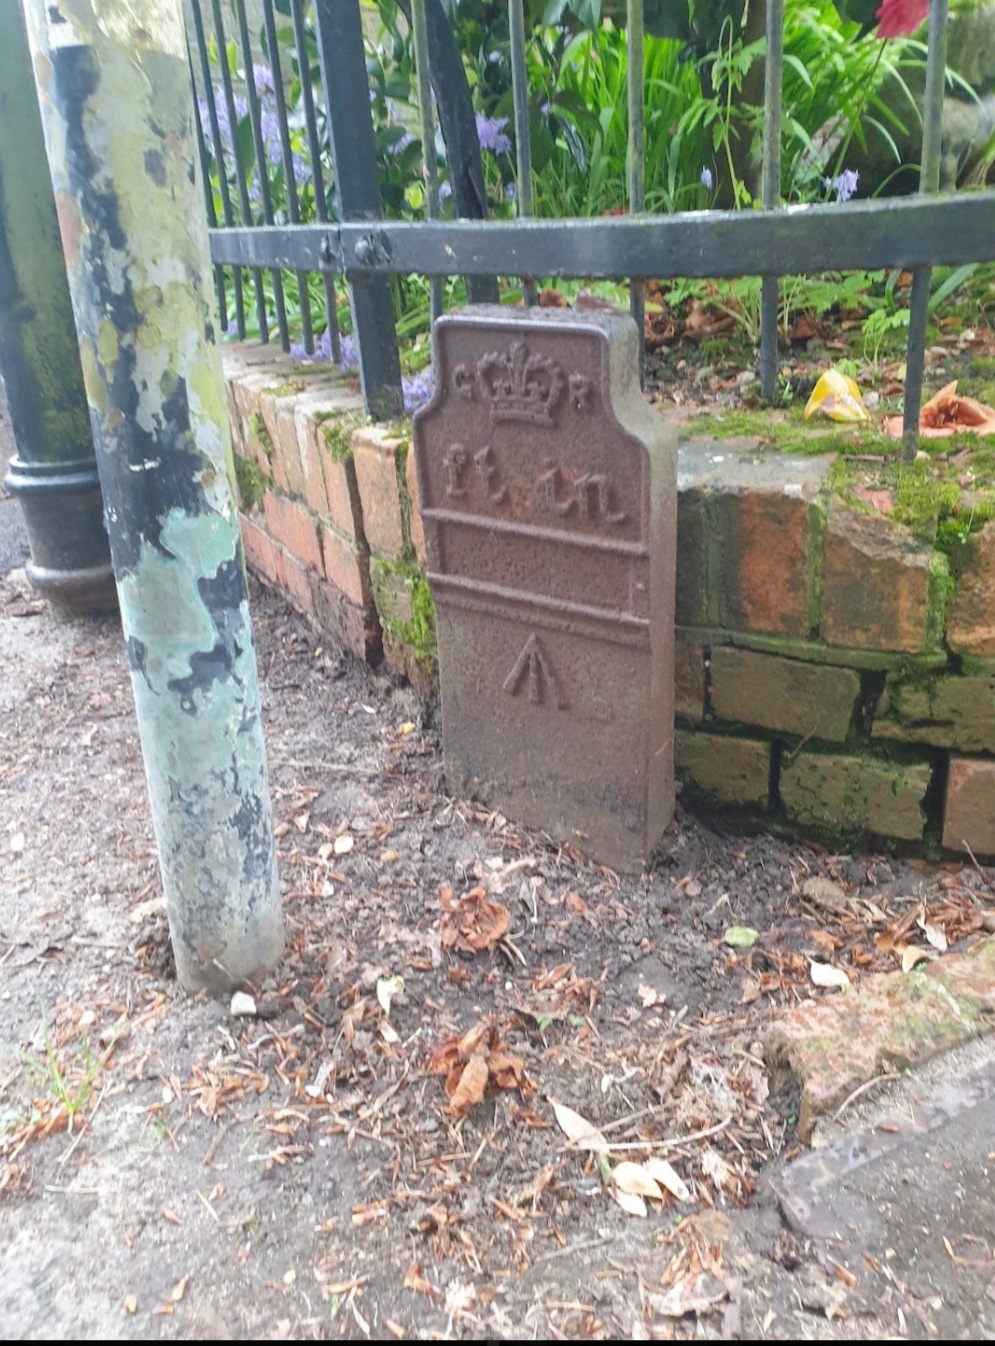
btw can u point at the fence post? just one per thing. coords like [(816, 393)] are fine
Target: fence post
[(114, 90), (339, 30), (54, 472)]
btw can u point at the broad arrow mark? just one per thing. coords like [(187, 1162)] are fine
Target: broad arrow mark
[(534, 662)]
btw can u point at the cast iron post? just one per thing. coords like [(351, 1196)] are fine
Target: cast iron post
[(117, 110), (53, 472)]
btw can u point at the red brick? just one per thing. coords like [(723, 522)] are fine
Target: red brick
[(295, 527), (969, 811), (347, 625), (288, 474), (347, 566), (339, 476), (971, 615), (416, 529), (260, 553), (375, 455), (689, 680), (876, 584), (309, 448), (297, 582), (762, 581)]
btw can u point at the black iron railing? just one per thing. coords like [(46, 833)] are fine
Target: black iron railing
[(365, 249)]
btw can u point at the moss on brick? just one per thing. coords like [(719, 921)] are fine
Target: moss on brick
[(336, 429), (257, 427), (252, 482), (408, 622)]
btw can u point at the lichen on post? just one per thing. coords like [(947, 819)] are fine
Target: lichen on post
[(117, 110)]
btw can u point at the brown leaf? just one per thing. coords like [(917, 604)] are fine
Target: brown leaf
[(633, 1179), (471, 1087), (507, 1072), (415, 1281), (474, 922)]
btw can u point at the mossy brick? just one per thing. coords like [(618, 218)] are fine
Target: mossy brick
[(880, 585), (234, 420), (407, 618), (375, 454), (294, 527), (342, 490), (416, 529), (949, 712), (689, 680), (288, 473), (692, 593), (889, 1021), (259, 551), (723, 769), (347, 565), (855, 794), (786, 695), (969, 807), (971, 611)]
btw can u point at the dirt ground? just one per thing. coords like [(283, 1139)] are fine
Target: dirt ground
[(366, 1156)]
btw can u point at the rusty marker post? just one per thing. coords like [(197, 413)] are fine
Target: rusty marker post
[(549, 498), (117, 111)]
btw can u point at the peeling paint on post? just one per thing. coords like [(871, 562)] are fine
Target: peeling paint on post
[(54, 473), (117, 110)]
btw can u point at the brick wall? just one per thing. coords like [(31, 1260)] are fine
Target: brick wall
[(828, 671)]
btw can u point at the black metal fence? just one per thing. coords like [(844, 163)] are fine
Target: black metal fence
[(356, 243)]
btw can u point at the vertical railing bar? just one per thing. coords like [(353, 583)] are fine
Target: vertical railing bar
[(636, 161), (523, 145), (287, 157), (212, 214), (929, 182), (422, 70), (262, 164), (318, 177), (771, 190), (339, 30), (243, 190), (227, 212)]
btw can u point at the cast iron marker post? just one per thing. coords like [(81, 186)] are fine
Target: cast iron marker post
[(114, 90), (54, 472)]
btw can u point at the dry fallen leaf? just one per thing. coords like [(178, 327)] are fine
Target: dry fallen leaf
[(474, 922), (824, 974), (911, 956), (343, 844), (934, 934), (470, 1086), (130, 1304), (631, 1202), (632, 1179), (387, 989), (661, 1172), (584, 1134)]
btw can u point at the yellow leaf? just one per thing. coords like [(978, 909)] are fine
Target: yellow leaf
[(837, 397), (911, 956)]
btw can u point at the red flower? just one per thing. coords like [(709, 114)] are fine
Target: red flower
[(898, 18)]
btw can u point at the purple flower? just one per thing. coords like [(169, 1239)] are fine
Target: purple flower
[(263, 78), (707, 181), (417, 388), (510, 192), (844, 185), (490, 133), (445, 191)]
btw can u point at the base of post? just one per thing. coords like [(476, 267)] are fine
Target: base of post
[(63, 517)]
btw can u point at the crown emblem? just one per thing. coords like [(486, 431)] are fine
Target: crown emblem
[(520, 386)]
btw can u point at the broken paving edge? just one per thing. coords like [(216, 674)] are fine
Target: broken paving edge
[(890, 1021)]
